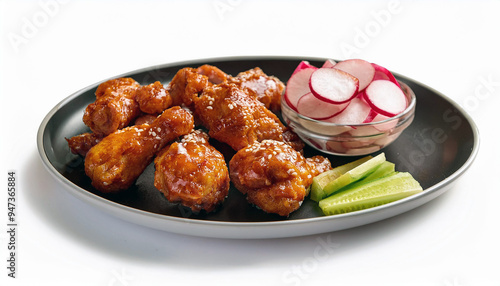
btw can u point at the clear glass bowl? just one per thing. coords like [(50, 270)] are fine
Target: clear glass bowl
[(354, 139)]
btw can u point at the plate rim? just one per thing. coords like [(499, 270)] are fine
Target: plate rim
[(114, 207)]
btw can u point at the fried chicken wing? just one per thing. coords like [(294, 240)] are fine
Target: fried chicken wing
[(235, 118), (81, 144), (120, 158), (114, 108), (145, 118), (153, 98), (193, 173), (214, 74), (267, 89), (274, 176)]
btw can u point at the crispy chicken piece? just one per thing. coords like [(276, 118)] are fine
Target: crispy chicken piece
[(120, 158), (193, 173), (114, 108), (267, 89), (214, 74), (153, 98), (145, 118), (274, 176), (236, 118), (188, 83), (81, 144)]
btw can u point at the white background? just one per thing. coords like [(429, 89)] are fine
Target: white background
[(50, 49)]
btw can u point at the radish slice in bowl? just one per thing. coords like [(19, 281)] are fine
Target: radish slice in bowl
[(313, 107), (355, 113), (383, 73), (385, 97), (361, 69), (332, 112), (329, 63), (303, 65), (297, 86), (333, 85)]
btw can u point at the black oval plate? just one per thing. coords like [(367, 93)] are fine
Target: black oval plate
[(436, 149)]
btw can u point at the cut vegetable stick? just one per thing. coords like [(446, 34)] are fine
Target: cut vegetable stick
[(378, 192), (349, 177), (321, 180)]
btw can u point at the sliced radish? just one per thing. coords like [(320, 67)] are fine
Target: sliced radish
[(385, 97), (363, 131), (355, 144), (362, 151), (384, 126), (312, 107), (383, 73), (322, 127), (297, 86), (333, 85), (361, 69), (303, 65), (355, 113), (336, 147), (372, 115), (329, 63)]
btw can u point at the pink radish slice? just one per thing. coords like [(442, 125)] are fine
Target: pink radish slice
[(312, 107), (362, 151), (383, 73), (385, 97), (355, 113), (336, 147), (303, 65), (329, 63), (361, 69), (385, 126), (297, 86), (371, 116), (333, 85)]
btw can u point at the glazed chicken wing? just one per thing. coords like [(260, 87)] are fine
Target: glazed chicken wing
[(188, 83), (114, 108), (267, 89), (120, 158), (236, 118), (193, 173), (153, 98), (81, 144), (214, 74), (274, 176)]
